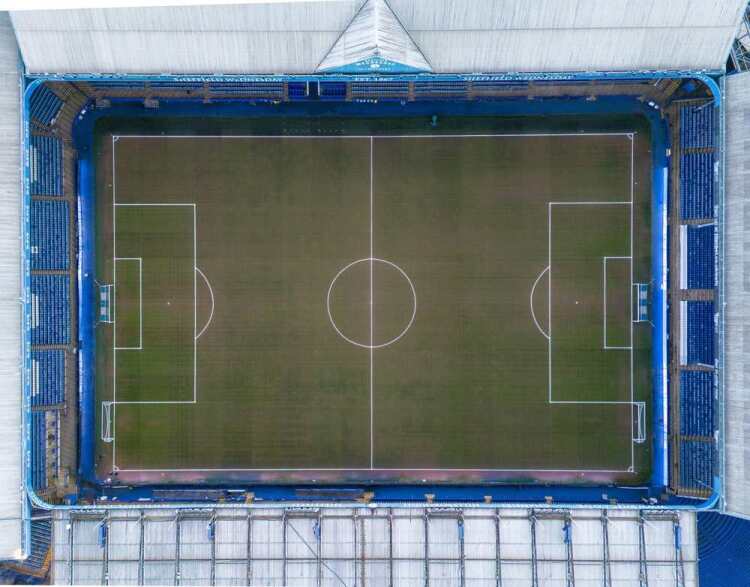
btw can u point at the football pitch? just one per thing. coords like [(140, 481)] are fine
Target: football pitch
[(453, 307)]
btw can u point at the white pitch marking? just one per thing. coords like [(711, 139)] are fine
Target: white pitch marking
[(632, 376), (607, 347), (517, 135), (140, 304), (115, 403), (389, 342), (355, 469), (211, 291), (414, 136), (372, 303), (114, 304), (531, 303)]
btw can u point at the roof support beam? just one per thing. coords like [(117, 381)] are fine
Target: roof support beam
[(141, 539), (643, 566), (284, 524), (212, 540), (568, 537), (498, 554), (390, 547), (361, 542), (104, 544), (177, 550), (249, 569), (71, 538), (318, 532), (461, 551), (679, 568), (534, 571), (607, 569), (426, 521)]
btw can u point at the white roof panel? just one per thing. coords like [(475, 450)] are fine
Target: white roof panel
[(737, 296), (10, 282), (294, 36), (380, 545)]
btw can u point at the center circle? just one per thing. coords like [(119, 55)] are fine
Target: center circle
[(371, 303)]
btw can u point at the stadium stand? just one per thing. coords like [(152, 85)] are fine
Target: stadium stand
[(696, 186), (41, 540), (723, 550), (380, 90), (50, 310), (696, 465), (297, 90), (49, 235), (38, 450), (172, 85), (44, 106), (435, 90), (700, 333), (696, 403), (332, 90), (260, 90), (46, 162), (697, 126), (48, 377), (700, 255)]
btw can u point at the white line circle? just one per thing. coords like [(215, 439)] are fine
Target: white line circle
[(413, 295)]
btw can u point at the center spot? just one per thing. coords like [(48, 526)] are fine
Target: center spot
[(371, 303)]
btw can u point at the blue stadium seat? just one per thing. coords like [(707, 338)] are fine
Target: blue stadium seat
[(50, 323), (700, 333), (696, 465), (297, 90), (47, 377), (697, 126), (49, 235), (696, 186), (38, 450), (696, 403), (260, 90), (700, 255), (380, 90), (439, 90), (176, 85), (333, 91), (44, 105), (723, 550), (46, 162)]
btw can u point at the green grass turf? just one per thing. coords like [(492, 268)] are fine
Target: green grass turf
[(465, 387)]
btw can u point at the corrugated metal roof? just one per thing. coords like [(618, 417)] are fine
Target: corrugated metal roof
[(455, 37), (737, 297), (376, 546), (10, 334)]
